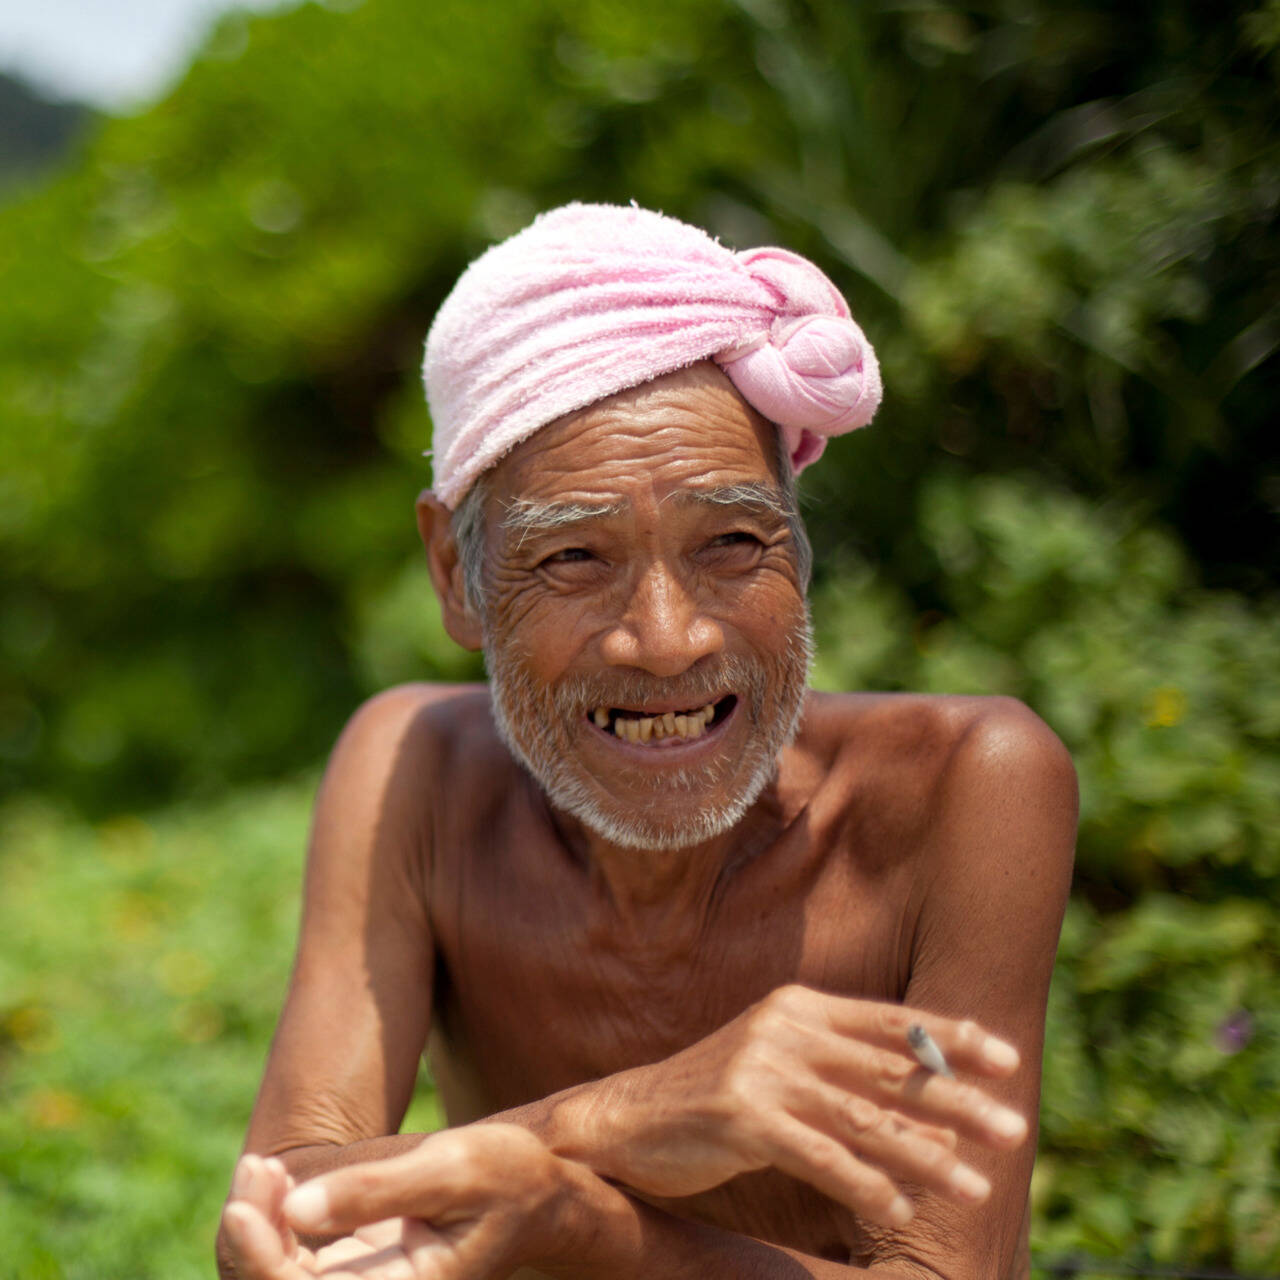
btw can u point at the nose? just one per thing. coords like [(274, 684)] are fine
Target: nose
[(663, 629)]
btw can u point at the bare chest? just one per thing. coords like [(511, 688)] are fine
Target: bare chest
[(542, 986)]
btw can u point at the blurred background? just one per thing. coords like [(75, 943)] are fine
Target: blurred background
[(1059, 226)]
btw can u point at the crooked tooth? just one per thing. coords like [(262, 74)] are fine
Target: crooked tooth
[(620, 728), (669, 722), (659, 728), (601, 716), (633, 730), (709, 712), (682, 726), (697, 726), (646, 728)]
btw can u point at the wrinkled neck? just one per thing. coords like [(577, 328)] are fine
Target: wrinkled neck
[(644, 885)]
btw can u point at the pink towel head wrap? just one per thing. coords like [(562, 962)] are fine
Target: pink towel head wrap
[(593, 299)]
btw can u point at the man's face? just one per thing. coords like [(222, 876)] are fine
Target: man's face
[(645, 628)]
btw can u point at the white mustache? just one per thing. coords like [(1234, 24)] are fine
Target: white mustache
[(745, 678)]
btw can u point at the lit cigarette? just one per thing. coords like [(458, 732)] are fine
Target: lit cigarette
[(928, 1055)]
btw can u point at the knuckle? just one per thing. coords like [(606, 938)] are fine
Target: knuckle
[(933, 1160), (751, 1073), (862, 1116), (893, 1071), (355, 1188), (791, 998), (741, 1080), (764, 1021), (464, 1160), (892, 1020), (467, 1166), (822, 1157), (969, 1035), (522, 1143)]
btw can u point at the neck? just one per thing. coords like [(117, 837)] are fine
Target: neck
[(676, 881)]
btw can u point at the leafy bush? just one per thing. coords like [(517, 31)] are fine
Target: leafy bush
[(142, 969), (1160, 1126), (1055, 224)]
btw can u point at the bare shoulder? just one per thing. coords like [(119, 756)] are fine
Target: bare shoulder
[(1004, 761), (416, 724), (409, 742), (937, 733), (945, 761), (975, 798)]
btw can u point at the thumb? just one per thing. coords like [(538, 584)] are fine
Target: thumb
[(415, 1185), (256, 1245)]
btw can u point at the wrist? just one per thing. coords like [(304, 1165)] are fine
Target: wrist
[(585, 1220), (590, 1124)]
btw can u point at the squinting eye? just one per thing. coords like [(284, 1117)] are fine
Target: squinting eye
[(570, 555), (739, 538)]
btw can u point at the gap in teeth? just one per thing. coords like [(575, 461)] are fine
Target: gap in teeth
[(632, 726)]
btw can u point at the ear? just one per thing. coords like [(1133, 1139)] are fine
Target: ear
[(445, 567)]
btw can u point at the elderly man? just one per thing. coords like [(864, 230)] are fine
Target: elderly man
[(697, 951)]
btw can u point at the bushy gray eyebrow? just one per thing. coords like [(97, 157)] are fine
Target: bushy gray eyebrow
[(757, 495), (524, 516)]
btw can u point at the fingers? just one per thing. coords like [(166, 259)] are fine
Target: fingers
[(894, 1081), (943, 1137), (264, 1184), (964, 1044), (418, 1184), (897, 1083), (382, 1235), (901, 1148), (965, 1108), (278, 1185), (256, 1245), (259, 1182), (826, 1165), (354, 1256)]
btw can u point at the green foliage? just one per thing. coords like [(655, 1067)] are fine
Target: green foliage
[(207, 360), (212, 440), (1161, 1121), (1058, 225), (143, 966)]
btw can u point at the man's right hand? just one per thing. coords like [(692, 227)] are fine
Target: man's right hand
[(472, 1203), (819, 1087)]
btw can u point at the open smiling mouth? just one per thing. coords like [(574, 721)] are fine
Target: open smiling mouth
[(655, 727)]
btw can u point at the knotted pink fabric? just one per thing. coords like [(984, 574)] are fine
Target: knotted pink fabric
[(593, 299)]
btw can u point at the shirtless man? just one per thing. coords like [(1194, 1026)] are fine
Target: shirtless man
[(664, 916)]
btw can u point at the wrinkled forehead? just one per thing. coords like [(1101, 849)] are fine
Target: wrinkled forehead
[(685, 431)]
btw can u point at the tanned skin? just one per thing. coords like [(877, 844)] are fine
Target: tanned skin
[(661, 1062)]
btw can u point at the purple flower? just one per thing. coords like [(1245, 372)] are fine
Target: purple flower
[(1234, 1031)]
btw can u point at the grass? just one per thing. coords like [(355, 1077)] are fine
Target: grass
[(142, 965)]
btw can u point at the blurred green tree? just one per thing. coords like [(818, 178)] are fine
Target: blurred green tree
[(1059, 226), (1056, 223)]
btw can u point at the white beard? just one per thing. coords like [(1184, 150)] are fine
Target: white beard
[(540, 723)]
